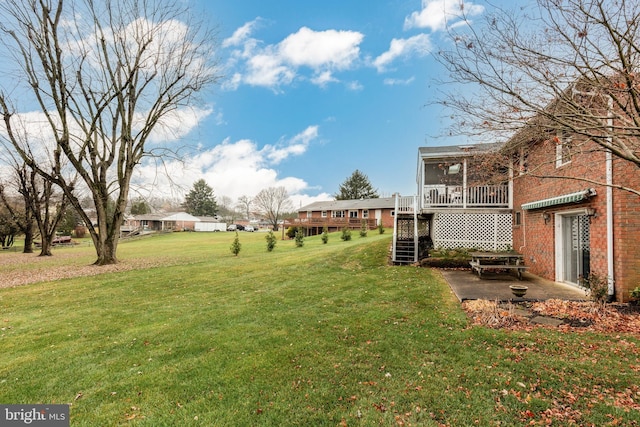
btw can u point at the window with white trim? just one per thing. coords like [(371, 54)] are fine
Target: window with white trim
[(323, 214), (353, 214), (365, 213), (564, 148), (337, 214)]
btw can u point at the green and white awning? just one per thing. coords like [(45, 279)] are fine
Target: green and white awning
[(560, 200)]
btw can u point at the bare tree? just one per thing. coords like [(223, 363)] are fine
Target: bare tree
[(559, 67), (106, 77), (272, 202), (42, 204), (48, 205), (244, 205), (20, 213)]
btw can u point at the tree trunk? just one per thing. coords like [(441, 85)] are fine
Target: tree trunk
[(28, 240), (45, 249), (106, 251)]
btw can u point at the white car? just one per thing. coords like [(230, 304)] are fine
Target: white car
[(249, 228)]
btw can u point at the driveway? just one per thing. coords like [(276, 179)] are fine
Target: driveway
[(495, 286)]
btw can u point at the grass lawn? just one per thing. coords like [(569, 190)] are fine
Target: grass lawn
[(321, 335)]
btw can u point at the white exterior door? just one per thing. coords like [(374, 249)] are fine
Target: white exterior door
[(573, 251)]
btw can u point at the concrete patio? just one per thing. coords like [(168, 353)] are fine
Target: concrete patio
[(495, 286)]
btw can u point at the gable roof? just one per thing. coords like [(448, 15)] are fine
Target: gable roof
[(340, 205)]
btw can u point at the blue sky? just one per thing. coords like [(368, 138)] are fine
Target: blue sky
[(315, 90), (312, 91)]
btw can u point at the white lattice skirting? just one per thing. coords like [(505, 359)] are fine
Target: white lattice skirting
[(483, 231)]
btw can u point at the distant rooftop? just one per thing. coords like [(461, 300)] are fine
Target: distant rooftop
[(338, 205)]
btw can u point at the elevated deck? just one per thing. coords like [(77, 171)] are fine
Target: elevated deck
[(314, 226)]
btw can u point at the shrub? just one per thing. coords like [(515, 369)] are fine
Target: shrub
[(291, 232), (380, 227), (363, 228), (346, 234), (597, 287), (271, 240), (325, 235), (635, 294), (236, 246), (299, 238)]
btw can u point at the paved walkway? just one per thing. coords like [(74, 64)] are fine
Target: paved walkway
[(495, 286)]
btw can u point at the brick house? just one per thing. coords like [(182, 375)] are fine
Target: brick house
[(568, 228), (337, 214)]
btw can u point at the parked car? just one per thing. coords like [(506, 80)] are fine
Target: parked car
[(239, 227), (232, 227), (249, 228)]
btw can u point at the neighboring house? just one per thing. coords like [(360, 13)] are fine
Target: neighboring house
[(569, 229), (454, 207), (173, 221), (337, 214), (164, 221)]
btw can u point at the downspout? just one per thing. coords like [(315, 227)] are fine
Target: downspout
[(609, 166), (610, 265), (523, 214), (510, 185)]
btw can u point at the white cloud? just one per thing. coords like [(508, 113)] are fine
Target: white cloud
[(419, 45), (297, 146), (323, 79), (276, 65), (232, 169), (399, 82), (267, 69), (241, 35), (177, 123), (321, 49), (436, 14), (355, 85)]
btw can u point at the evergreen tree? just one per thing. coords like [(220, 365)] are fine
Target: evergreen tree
[(363, 228), (236, 245), (140, 207), (271, 240), (299, 238), (325, 235), (357, 186), (200, 201)]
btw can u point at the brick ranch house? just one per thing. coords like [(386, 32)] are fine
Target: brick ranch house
[(568, 229), (337, 214)]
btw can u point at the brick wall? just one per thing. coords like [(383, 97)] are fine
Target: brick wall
[(626, 208), (535, 237)]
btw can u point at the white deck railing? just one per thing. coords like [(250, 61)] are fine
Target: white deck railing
[(455, 196), (405, 204)]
